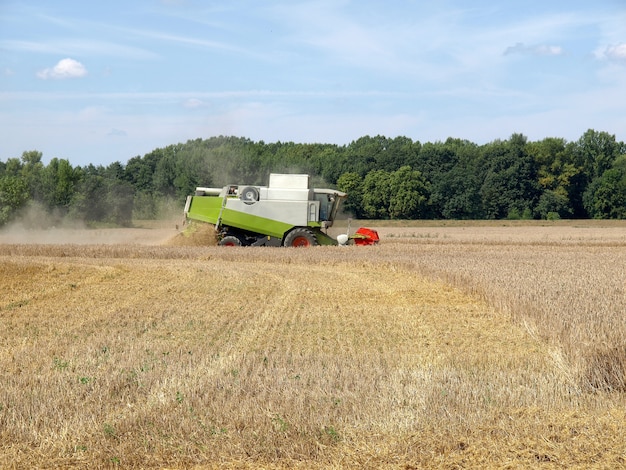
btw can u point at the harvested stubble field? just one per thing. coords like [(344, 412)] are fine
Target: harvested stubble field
[(445, 346)]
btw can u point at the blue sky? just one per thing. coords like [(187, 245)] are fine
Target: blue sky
[(98, 82)]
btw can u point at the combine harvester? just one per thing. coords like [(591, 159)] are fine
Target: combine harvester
[(286, 213)]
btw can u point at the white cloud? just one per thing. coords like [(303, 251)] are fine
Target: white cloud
[(192, 103), (65, 68), (616, 53)]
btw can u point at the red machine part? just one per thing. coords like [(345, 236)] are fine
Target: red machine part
[(365, 236)]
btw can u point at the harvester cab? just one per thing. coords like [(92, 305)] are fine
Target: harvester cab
[(287, 212)]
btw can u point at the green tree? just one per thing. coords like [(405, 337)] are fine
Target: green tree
[(379, 153), (13, 196), (139, 172), (606, 196), (454, 171), (409, 194), (376, 194), (557, 177), (510, 184), (58, 183), (32, 172), (12, 167), (192, 168), (438, 158), (553, 203), (400, 194), (89, 201), (331, 163), (398, 152), (594, 153), (165, 173), (456, 195), (119, 202), (352, 184)]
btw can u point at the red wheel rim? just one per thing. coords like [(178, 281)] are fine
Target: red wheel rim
[(301, 241)]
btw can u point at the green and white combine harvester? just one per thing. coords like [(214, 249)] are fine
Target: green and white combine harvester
[(287, 212)]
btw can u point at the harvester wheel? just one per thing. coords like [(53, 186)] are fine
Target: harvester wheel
[(230, 241), (249, 195), (301, 237)]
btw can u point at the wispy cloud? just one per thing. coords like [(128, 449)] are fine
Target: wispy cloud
[(75, 47), (430, 47), (65, 68), (373, 39), (537, 50), (193, 97), (323, 70), (28, 46), (117, 133), (186, 40)]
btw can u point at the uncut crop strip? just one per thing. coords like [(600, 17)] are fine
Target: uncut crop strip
[(573, 297)]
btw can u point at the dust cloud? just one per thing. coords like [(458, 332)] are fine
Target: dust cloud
[(18, 234), (36, 226)]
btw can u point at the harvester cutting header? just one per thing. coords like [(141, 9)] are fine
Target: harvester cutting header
[(287, 212)]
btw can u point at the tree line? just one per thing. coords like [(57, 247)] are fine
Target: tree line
[(385, 178)]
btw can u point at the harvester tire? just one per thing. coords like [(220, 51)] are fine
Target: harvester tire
[(249, 195), (230, 241), (301, 237)]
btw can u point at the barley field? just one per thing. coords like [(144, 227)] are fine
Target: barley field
[(448, 345)]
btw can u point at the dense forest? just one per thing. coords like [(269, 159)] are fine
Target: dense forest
[(386, 178)]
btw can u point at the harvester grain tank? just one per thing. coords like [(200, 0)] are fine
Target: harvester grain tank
[(287, 212)]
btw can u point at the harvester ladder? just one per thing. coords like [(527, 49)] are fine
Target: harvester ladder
[(219, 217)]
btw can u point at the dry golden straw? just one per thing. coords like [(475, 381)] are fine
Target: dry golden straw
[(439, 348)]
